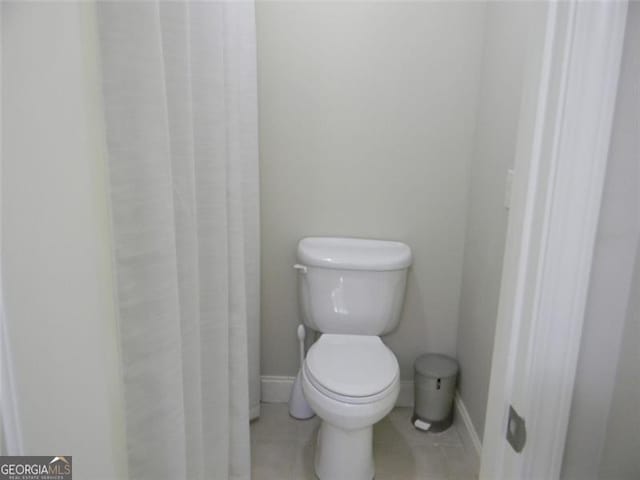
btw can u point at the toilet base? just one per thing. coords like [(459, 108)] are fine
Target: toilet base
[(344, 454)]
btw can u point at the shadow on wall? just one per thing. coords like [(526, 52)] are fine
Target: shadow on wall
[(407, 340), (620, 458), (357, 138)]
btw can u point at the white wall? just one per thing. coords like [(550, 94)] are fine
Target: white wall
[(494, 149), (610, 290), (620, 459), (55, 240), (367, 116)]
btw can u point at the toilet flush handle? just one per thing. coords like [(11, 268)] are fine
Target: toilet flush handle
[(302, 268)]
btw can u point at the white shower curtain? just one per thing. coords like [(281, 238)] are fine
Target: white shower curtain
[(179, 85)]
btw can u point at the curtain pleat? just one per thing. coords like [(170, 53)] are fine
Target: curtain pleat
[(181, 117)]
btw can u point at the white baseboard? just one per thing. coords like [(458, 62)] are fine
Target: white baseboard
[(277, 388), (467, 431)]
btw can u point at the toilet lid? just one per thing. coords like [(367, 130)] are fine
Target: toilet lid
[(352, 365)]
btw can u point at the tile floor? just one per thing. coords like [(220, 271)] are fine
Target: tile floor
[(282, 449)]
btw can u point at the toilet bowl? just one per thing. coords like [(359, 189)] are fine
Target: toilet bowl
[(351, 382), (350, 290)]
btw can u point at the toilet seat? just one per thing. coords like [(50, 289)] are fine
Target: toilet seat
[(353, 369)]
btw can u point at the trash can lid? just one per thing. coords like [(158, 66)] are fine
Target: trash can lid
[(435, 365)]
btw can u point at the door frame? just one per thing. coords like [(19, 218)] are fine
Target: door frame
[(564, 131), (10, 431)]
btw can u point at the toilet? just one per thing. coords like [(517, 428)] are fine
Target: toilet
[(351, 291)]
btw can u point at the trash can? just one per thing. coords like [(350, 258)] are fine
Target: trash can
[(435, 385)]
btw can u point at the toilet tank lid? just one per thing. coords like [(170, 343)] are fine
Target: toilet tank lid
[(353, 253)]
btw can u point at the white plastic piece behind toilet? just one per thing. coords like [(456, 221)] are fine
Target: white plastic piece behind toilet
[(298, 406), (421, 425)]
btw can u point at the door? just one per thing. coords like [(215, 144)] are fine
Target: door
[(563, 139)]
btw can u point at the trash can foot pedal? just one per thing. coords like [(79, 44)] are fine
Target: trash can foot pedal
[(420, 425)]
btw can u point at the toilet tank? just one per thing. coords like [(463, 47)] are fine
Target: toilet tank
[(351, 285)]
